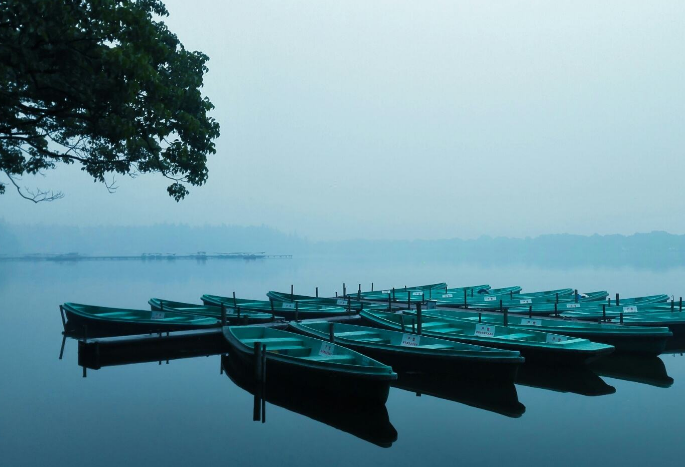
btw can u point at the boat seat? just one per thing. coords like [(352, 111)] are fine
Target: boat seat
[(325, 358), (276, 340), (373, 340), (356, 333), (435, 346), (514, 336)]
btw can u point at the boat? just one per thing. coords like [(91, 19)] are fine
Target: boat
[(567, 379), (288, 310), (411, 352), (307, 300), (534, 346), (232, 315), (402, 294), (499, 398), (625, 339), (325, 366), (675, 321), (369, 422), (593, 307), (123, 321)]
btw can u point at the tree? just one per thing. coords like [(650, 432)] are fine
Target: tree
[(102, 83)]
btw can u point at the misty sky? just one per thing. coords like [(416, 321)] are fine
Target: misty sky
[(422, 119)]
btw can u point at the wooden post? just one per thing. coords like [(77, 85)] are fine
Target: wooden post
[(608, 301), (466, 303), (258, 361), (604, 313), (271, 302), (292, 292), (556, 309), (237, 312), (331, 332), (617, 299), (557, 298), (680, 304), (297, 312), (575, 295), (372, 287), (234, 300), (317, 292), (389, 303), (530, 311), (402, 322), (418, 318), (413, 329), (263, 364), (621, 317), (480, 317), (344, 290), (223, 314), (393, 294), (506, 314)]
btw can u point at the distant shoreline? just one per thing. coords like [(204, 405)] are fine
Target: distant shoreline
[(143, 257)]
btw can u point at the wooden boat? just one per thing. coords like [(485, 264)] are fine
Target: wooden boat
[(411, 352), (232, 316), (626, 339), (598, 296), (369, 422), (553, 294), (288, 310), (126, 321), (627, 305), (400, 293), (675, 321), (534, 346), (348, 302), (324, 365)]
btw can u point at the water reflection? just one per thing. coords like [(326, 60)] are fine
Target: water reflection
[(644, 370), (500, 398), (578, 380), (366, 421)]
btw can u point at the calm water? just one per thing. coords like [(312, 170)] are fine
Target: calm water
[(187, 413)]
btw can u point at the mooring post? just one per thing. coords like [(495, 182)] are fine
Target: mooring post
[(349, 306), (61, 350), (331, 332), (393, 294), (413, 329), (608, 301), (418, 318), (297, 312), (511, 295), (556, 309), (271, 302), (530, 311), (161, 305), (621, 317), (263, 364), (575, 295), (234, 300), (292, 292), (359, 291), (223, 314), (680, 304), (317, 292), (480, 317), (64, 320), (372, 287), (389, 303), (344, 290), (258, 361), (556, 298), (604, 313), (402, 322), (617, 299), (466, 304), (506, 313), (237, 312), (408, 300)]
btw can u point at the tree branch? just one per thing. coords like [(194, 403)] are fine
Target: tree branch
[(37, 196)]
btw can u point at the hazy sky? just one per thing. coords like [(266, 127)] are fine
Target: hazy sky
[(422, 119)]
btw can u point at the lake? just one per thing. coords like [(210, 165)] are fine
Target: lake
[(189, 412)]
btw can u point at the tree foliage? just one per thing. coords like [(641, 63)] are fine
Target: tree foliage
[(102, 83)]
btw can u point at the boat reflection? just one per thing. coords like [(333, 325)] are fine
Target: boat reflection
[(499, 398), (577, 380), (366, 421), (645, 370)]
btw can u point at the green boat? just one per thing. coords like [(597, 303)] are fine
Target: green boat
[(675, 321), (534, 346), (123, 321), (307, 300), (400, 294), (325, 366), (626, 339), (288, 310), (232, 315), (411, 352), (593, 308), (553, 294), (599, 296)]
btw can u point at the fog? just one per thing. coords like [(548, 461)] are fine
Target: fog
[(421, 120)]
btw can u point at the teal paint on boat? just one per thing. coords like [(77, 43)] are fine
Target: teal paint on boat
[(348, 302), (245, 317), (626, 339), (534, 346), (412, 352), (287, 310), (127, 321), (328, 366)]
